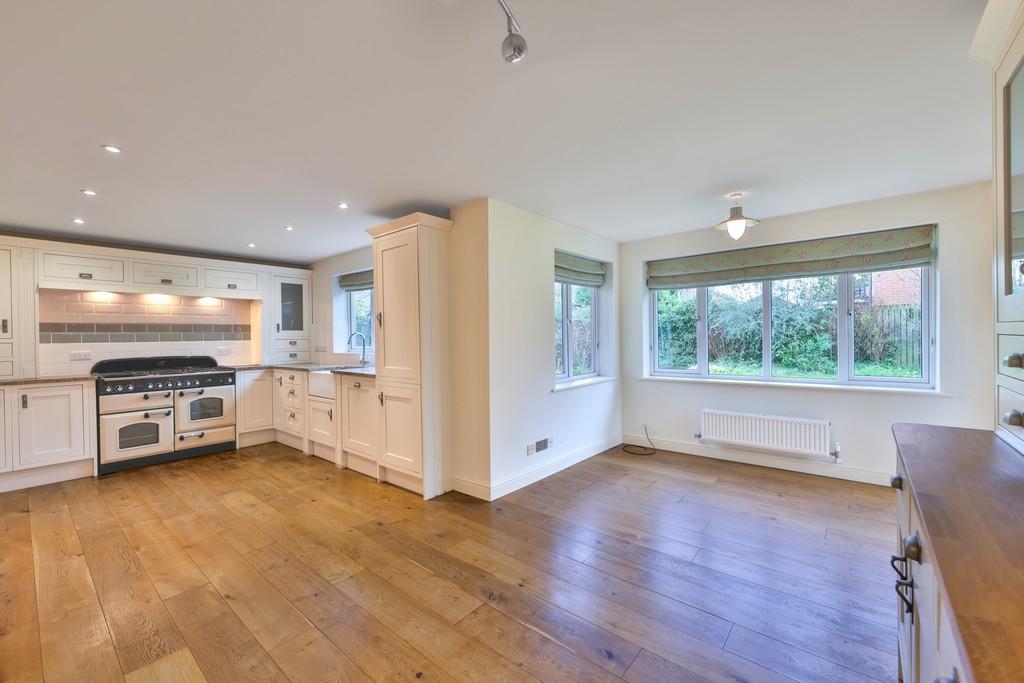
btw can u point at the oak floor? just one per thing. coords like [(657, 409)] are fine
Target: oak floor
[(266, 565)]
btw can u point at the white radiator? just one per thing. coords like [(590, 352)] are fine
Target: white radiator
[(794, 435)]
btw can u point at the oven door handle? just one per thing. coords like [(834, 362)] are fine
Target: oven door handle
[(199, 392), (145, 397), (166, 414)]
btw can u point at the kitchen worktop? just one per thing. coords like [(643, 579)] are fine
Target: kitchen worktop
[(47, 380), (969, 487), (308, 367)]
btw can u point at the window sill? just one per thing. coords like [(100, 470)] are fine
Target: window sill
[(884, 389), (576, 384)]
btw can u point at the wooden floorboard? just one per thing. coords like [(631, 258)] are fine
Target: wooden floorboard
[(266, 565)]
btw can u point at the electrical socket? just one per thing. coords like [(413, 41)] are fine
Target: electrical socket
[(538, 446), (531, 448), (81, 355)]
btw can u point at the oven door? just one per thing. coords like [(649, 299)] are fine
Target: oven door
[(126, 436), (206, 408)]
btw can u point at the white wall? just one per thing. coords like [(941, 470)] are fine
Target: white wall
[(861, 418), (325, 286), (523, 408)]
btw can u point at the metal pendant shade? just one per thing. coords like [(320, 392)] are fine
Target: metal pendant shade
[(737, 223)]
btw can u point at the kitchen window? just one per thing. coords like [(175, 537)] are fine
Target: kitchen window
[(857, 325), (353, 311), (576, 293), (360, 317)]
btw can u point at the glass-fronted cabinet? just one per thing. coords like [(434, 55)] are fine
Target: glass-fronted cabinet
[(291, 305)]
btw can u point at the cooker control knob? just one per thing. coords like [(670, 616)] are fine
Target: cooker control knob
[(109, 389), (131, 387), (119, 387), (159, 385), (178, 383), (149, 386)]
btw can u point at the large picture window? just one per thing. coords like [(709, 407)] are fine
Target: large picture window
[(866, 327)]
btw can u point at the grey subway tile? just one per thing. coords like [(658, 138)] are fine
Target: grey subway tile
[(109, 327), (66, 338), (180, 328), (170, 336), (53, 327), (213, 336), (147, 337), (191, 336), (122, 337), (95, 338), (81, 327), (223, 328), (232, 336), (44, 337), (136, 327), (205, 327), (158, 327)]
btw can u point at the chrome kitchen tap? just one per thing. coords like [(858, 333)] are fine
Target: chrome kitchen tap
[(362, 359)]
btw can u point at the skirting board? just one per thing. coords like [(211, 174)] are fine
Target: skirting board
[(779, 462), (478, 489)]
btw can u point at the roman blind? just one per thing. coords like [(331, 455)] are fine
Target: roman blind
[(360, 280), (577, 270), (862, 251)]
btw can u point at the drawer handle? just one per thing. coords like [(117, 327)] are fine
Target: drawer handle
[(912, 547), (291, 415), (902, 573), (357, 385), (293, 355), (166, 414), (200, 392), (896, 481), (291, 392), (1013, 419), (85, 276), (145, 397), (908, 603), (166, 281), (193, 435), (330, 414), (291, 377), (232, 285), (1014, 360), (293, 343)]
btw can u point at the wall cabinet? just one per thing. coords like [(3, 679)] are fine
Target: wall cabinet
[(165, 274), (255, 400), (234, 281), (323, 422), (396, 283), (401, 428), (291, 307), (360, 416), (90, 269), (51, 426)]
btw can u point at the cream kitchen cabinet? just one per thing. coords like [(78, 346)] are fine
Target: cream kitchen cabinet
[(6, 294), (98, 270), (165, 274), (323, 422), (231, 281), (5, 463), (255, 400), (51, 426), (411, 289), (290, 401), (401, 429), (360, 416), (291, 307), (396, 284)]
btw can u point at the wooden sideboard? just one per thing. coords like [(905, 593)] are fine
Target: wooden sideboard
[(959, 563)]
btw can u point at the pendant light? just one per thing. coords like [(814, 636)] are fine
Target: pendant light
[(736, 224), (513, 48)]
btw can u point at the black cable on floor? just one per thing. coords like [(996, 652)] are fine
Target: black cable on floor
[(641, 450)]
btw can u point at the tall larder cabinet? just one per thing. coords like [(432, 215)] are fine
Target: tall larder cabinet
[(410, 258)]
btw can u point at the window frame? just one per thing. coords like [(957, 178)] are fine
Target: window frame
[(568, 375), (844, 338), (352, 320)]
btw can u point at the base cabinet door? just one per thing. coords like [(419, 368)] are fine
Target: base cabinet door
[(323, 422), (51, 426), (5, 463), (401, 428), (360, 416), (256, 400)]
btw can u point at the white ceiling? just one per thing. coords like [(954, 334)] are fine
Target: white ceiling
[(630, 119)]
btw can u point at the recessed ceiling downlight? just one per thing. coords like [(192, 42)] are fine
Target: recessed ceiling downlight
[(113, 149), (252, 245), (289, 228), (88, 192), (342, 205), (78, 221)]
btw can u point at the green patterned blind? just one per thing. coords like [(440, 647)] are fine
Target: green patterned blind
[(361, 280), (863, 251), (576, 270)]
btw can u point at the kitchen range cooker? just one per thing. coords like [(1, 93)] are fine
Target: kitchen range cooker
[(153, 410)]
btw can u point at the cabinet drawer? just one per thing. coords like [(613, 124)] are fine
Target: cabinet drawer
[(291, 345), (291, 357), (165, 274), (291, 421), (6, 368), (296, 377), (6, 350), (232, 280), (1011, 355), (1011, 411), (204, 437), (291, 396), (68, 267)]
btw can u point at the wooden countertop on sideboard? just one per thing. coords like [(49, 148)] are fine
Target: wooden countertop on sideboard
[(969, 488)]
